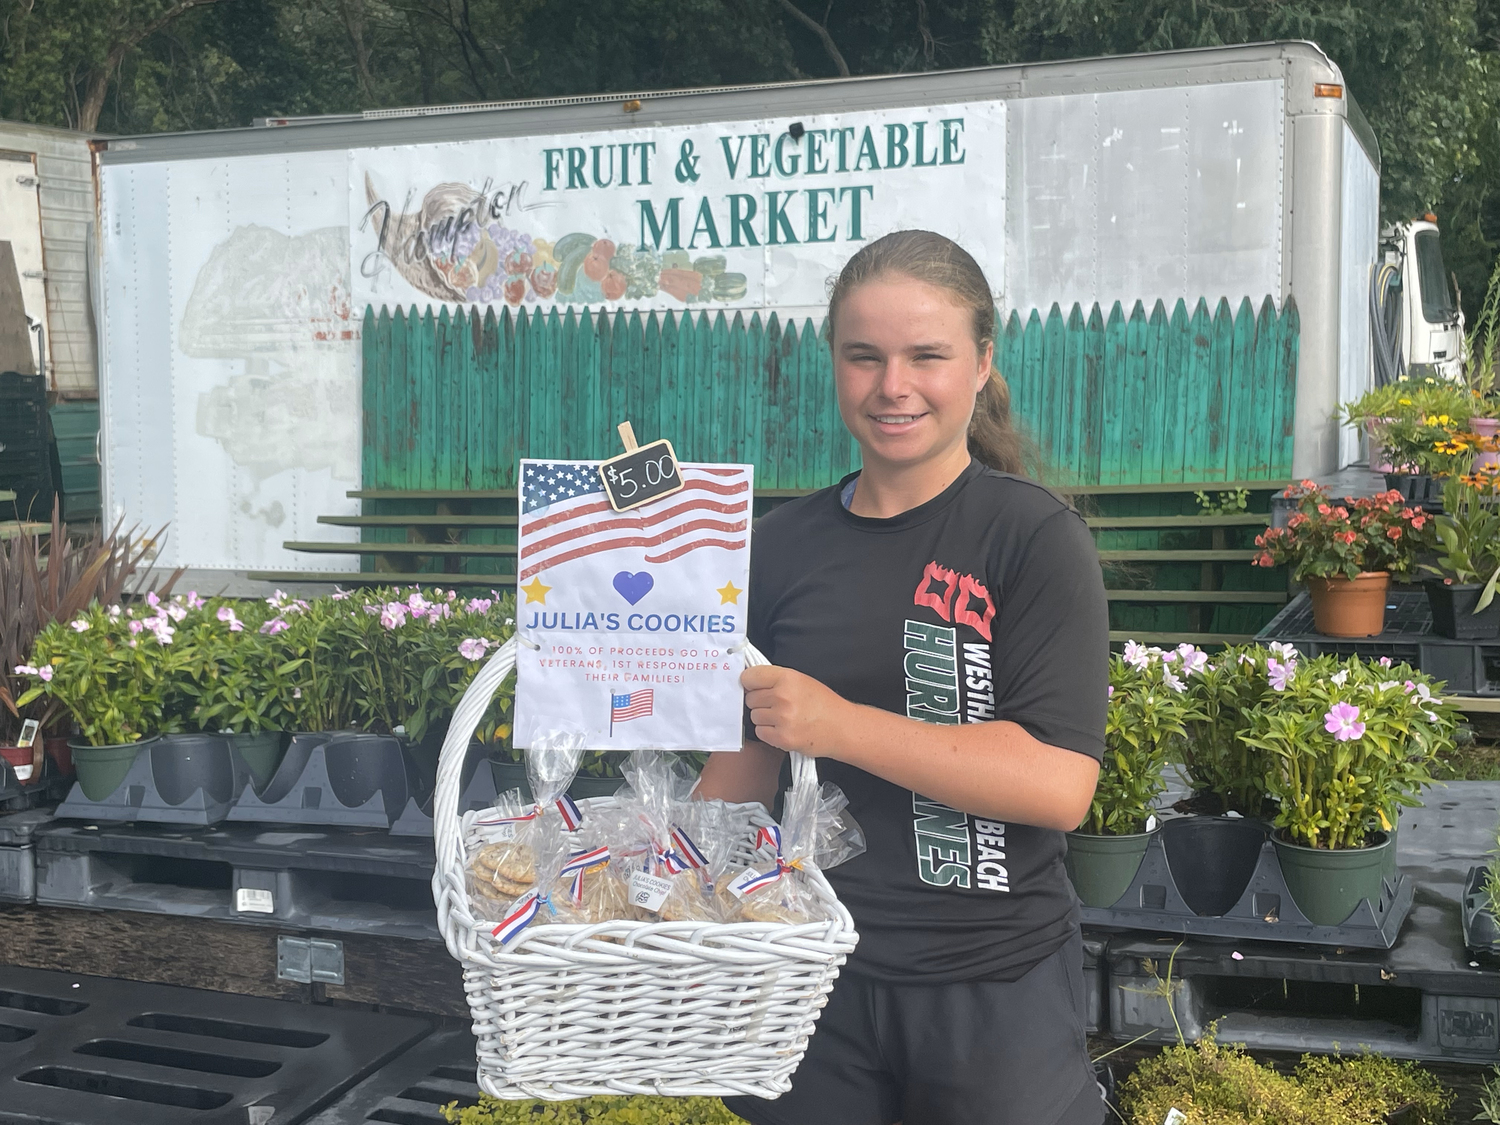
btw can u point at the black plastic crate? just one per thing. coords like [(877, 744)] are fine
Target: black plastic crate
[(15, 385), (1468, 667)]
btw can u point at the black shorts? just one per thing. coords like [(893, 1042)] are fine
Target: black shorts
[(984, 1053)]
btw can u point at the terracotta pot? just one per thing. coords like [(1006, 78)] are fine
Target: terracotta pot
[(58, 750), (19, 758), (1349, 607)]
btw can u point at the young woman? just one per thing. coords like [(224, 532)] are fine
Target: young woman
[(938, 635)]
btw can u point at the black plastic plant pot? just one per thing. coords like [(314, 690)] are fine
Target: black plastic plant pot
[(1328, 883), (1418, 488), (293, 762), (1212, 859), (181, 764), (1481, 930), (361, 765), (100, 769), (1453, 612), (261, 751), (1102, 867)]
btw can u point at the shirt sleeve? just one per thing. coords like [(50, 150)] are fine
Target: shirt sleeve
[(1051, 642)]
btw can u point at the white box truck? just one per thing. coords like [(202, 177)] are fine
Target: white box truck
[(237, 265)]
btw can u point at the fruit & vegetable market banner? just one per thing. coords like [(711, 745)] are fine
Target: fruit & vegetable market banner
[(745, 214)]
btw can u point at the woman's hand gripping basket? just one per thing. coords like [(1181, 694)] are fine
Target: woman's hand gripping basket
[(567, 1009)]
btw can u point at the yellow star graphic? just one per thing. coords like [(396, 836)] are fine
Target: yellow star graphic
[(535, 591), (728, 594)]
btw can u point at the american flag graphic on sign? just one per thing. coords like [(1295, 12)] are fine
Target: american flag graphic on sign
[(632, 705), (565, 516)]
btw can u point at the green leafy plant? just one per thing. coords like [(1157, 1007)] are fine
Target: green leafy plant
[(1324, 539), (1346, 743), (1147, 712), (40, 585), (1410, 417), (1222, 690), (1210, 1083), (1223, 503), (112, 671), (1482, 349), (1468, 539), (232, 676), (1489, 1099), (592, 1111)]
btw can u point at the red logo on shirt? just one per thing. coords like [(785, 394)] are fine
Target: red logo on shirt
[(962, 599)]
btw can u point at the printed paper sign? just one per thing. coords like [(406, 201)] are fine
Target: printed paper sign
[(628, 620)]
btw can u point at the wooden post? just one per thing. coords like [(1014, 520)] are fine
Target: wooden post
[(627, 435)]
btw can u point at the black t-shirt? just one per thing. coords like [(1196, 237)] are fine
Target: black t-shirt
[(984, 603)]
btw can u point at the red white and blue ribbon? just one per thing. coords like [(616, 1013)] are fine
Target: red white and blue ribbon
[(578, 863), (572, 815), (670, 862), (771, 834), (683, 846), (532, 815), (518, 919)]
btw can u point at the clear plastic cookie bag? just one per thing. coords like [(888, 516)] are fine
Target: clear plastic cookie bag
[(590, 886), (704, 835), (552, 763), (657, 783), (501, 860), (817, 832), (537, 905)]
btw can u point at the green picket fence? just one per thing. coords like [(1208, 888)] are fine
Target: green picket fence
[(452, 401)]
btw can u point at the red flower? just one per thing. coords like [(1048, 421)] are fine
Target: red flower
[(1393, 533), (1341, 512), (1324, 510), (1297, 520), (1345, 537), (1418, 520), (1264, 559)]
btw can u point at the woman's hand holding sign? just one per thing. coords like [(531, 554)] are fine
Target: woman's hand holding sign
[(793, 711)]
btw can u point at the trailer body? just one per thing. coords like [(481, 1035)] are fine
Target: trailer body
[(237, 265)]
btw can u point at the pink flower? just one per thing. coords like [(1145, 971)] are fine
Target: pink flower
[(1385, 661), (479, 605), (194, 601), (176, 612), (339, 594), (45, 672), (162, 630), (79, 626), (393, 616), (1137, 655), (474, 647), (26, 670), (152, 600), (137, 626), (274, 626), (1342, 721), (227, 614), (1111, 694), (1193, 659), (1279, 674), (1172, 681)]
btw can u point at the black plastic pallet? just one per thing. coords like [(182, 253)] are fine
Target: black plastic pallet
[(17, 795), (361, 882), (412, 1089), (1468, 667), (1424, 998), (88, 1050)]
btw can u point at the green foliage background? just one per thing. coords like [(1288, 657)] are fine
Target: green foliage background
[(1426, 72)]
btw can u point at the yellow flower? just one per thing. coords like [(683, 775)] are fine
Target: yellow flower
[(1384, 823), (1404, 401)]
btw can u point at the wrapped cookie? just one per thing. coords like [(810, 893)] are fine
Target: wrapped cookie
[(656, 856), (590, 888), (536, 905), (501, 855), (816, 832), (704, 832)]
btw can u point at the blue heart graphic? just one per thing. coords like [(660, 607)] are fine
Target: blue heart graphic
[(633, 587)]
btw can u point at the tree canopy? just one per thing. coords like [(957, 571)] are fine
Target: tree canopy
[(1426, 72)]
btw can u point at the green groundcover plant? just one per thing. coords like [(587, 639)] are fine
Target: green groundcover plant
[(1209, 1083), (593, 1111)]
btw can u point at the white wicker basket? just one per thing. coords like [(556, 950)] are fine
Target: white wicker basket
[(675, 1008)]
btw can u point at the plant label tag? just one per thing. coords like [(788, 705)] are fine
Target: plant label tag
[(738, 885), (23, 773), (28, 733), (1175, 1116), (640, 476), (648, 892), (254, 900)]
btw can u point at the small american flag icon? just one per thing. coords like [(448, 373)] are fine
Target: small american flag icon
[(631, 705)]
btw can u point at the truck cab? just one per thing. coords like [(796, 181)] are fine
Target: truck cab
[(1432, 325)]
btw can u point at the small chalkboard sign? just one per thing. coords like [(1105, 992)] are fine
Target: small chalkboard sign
[(641, 474)]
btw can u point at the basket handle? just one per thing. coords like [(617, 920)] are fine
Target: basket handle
[(465, 722)]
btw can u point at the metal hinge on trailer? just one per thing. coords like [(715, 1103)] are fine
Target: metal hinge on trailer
[(309, 960)]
